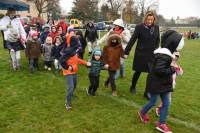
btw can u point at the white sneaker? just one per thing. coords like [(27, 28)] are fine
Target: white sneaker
[(49, 69), (45, 67)]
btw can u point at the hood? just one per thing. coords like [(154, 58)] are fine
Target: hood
[(114, 36), (164, 51), (172, 40)]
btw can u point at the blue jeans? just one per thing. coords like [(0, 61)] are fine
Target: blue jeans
[(71, 81), (165, 97), (121, 71)]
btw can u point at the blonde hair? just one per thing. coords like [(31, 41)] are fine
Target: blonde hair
[(149, 13), (48, 39)]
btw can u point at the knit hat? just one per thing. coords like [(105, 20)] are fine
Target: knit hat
[(34, 33), (70, 30), (98, 52)]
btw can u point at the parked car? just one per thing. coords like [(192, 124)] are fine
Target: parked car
[(109, 25), (76, 23), (131, 27), (100, 26)]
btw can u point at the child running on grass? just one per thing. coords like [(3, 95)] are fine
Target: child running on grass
[(96, 66), (70, 62), (159, 80)]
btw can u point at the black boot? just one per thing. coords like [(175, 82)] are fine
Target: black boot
[(133, 90)]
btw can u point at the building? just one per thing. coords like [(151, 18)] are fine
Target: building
[(31, 13)]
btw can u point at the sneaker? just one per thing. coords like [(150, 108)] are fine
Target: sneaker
[(87, 91), (49, 69), (144, 117), (158, 111), (163, 128), (114, 93), (68, 107), (45, 67)]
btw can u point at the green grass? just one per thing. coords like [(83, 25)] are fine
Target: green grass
[(35, 103)]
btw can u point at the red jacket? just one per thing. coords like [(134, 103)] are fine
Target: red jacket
[(63, 25)]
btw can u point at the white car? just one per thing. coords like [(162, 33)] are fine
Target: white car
[(131, 27)]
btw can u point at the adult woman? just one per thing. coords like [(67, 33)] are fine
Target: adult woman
[(148, 38), (14, 36)]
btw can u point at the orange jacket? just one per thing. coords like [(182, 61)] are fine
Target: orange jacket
[(73, 61)]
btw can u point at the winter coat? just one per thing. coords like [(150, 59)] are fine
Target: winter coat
[(147, 41), (91, 34), (97, 66), (33, 49), (69, 50), (15, 24), (63, 25), (56, 51), (43, 37), (159, 80), (73, 62), (47, 52), (112, 53), (125, 36), (53, 35)]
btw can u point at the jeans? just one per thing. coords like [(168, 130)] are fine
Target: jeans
[(15, 58), (33, 63), (71, 81), (121, 70), (165, 98)]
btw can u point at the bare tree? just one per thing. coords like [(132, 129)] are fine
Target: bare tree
[(146, 5), (41, 6), (115, 6), (129, 11)]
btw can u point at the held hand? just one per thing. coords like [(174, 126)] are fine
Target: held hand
[(88, 64), (106, 66), (70, 68), (125, 56), (12, 50)]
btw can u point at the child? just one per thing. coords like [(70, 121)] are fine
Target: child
[(94, 73), (53, 33), (71, 76), (33, 51), (159, 80), (179, 71), (58, 46), (70, 49), (44, 34), (112, 53), (83, 43), (47, 52)]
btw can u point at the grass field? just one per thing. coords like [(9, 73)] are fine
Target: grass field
[(35, 103)]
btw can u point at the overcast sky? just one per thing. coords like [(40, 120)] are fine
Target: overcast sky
[(168, 8)]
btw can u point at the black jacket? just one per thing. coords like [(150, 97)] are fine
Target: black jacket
[(148, 40), (91, 34), (159, 80), (56, 51)]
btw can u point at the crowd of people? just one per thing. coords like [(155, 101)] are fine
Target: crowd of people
[(63, 47)]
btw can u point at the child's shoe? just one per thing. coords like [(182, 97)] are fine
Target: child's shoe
[(49, 69), (163, 128), (114, 93), (144, 117), (45, 67), (68, 107)]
